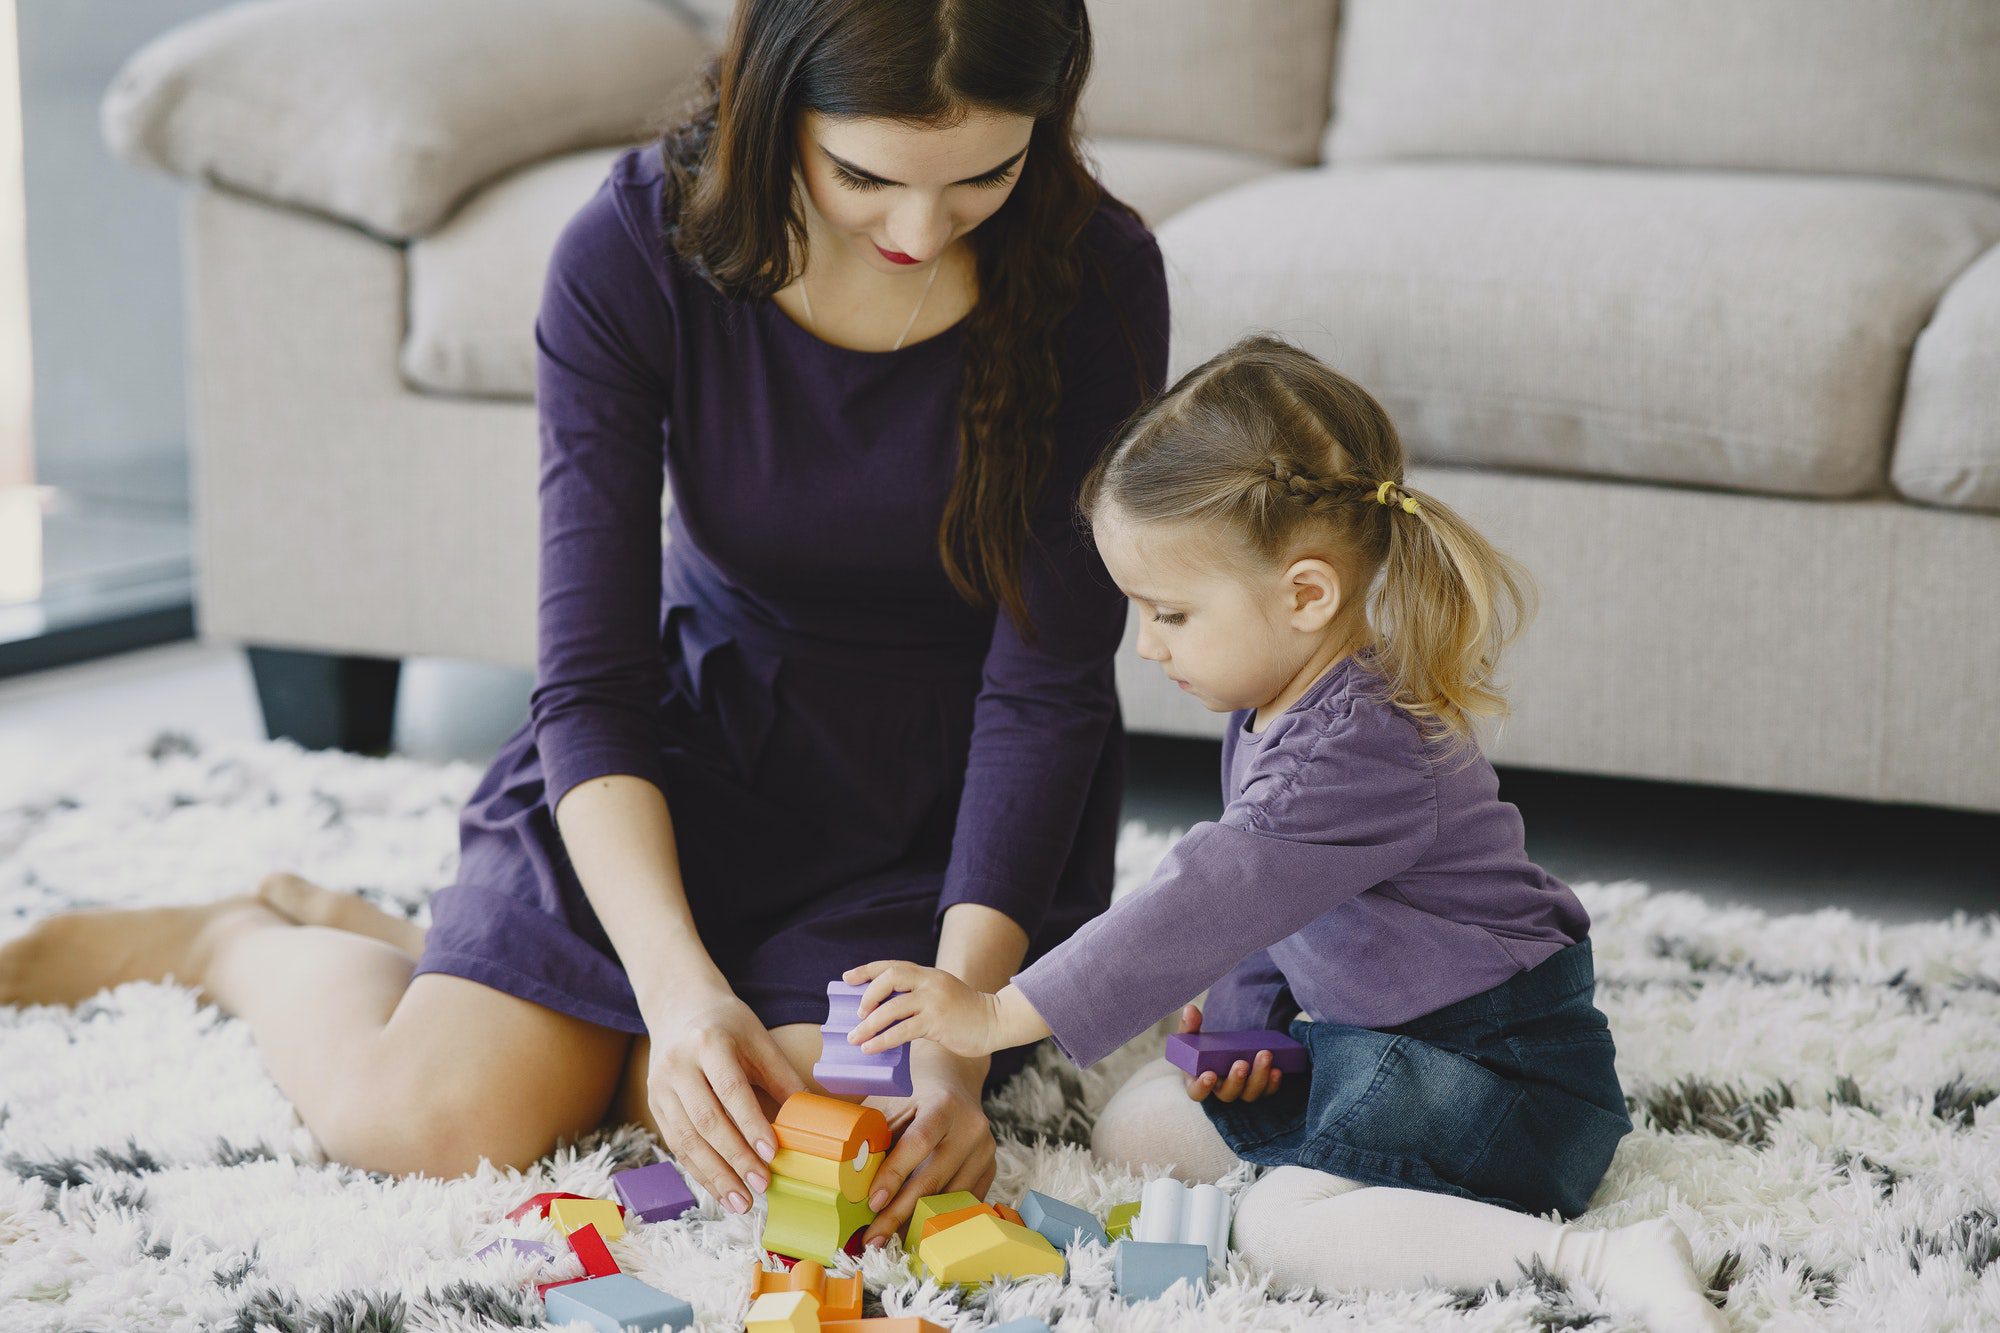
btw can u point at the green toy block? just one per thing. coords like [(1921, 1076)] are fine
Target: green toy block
[(810, 1221), (931, 1205), (1119, 1225)]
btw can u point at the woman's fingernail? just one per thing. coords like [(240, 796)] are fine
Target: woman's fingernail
[(765, 1150), (737, 1203), (758, 1181), (877, 1199)]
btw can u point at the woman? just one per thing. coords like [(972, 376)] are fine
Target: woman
[(872, 319)]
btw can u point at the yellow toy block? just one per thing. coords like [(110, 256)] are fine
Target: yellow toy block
[(569, 1214), (783, 1312), (807, 1221), (828, 1127), (1119, 1225), (986, 1246), (851, 1177), (839, 1297), (932, 1205)]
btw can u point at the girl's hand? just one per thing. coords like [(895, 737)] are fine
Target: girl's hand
[(1247, 1079), (943, 1142), (905, 1001), (709, 1056)]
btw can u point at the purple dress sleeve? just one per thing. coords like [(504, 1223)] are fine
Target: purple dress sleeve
[(603, 415), (1044, 709), (1314, 825)]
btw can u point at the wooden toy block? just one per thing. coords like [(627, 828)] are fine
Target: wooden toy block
[(852, 1177), (1197, 1053), (618, 1304), (807, 1221), (930, 1206), (1118, 1223), (539, 1205), (839, 1297), (591, 1250), (1175, 1213), (783, 1312), (987, 1246), (1143, 1270), (606, 1216), (846, 1069), (655, 1193), (514, 1245), (542, 1289), (933, 1225), (908, 1323), (831, 1128), (1063, 1223)]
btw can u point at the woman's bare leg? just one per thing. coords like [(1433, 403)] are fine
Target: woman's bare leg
[(311, 905), (390, 1073)]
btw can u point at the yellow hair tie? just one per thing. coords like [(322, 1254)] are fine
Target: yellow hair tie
[(1382, 497)]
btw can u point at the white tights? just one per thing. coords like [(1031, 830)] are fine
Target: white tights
[(1311, 1229)]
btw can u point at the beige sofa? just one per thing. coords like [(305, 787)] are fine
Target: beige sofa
[(1699, 318)]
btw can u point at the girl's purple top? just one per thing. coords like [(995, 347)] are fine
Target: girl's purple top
[(1347, 866), (808, 481)]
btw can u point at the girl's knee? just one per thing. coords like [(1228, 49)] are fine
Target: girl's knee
[(1270, 1213), (1152, 1122)]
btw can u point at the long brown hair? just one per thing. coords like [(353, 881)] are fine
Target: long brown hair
[(735, 216), (1280, 453)]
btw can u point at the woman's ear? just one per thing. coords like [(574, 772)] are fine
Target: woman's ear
[(1315, 591)]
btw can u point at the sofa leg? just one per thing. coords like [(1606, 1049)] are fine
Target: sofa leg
[(326, 700)]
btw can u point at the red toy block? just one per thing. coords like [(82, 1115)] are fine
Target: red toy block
[(539, 1205), (542, 1289), (591, 1249)]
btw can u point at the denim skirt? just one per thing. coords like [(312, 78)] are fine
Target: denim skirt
[(1510, 1096)]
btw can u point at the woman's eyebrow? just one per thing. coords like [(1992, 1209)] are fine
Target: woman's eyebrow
[(869, 175)]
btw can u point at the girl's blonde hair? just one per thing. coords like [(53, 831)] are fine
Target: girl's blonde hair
[(1276, 449)]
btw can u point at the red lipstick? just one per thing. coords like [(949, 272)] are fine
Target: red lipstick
[(893, 256)]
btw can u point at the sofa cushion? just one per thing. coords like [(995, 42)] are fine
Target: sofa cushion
[(385, 113), (1720, 329), (1160, 179), (1250, 75), (1874, 87), (1948, 447), (475, 282)]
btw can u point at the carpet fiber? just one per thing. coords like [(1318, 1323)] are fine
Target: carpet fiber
[(1812, 1093)]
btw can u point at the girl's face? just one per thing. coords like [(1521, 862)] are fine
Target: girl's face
[(1232, 640), (896, 196)]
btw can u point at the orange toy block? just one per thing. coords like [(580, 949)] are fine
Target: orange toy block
[(606, 1216), (839, 1297), (828, 1127), (908, 1323), (933, 1225)]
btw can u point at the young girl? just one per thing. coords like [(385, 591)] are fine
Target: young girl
[(1364, 881)]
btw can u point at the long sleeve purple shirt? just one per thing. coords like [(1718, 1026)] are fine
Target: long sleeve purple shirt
[(1347, 867), (808, 481)]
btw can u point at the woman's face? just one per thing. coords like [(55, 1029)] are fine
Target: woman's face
[(898, 195)]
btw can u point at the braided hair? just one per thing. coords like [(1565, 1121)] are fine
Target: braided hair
[(1280, 456)]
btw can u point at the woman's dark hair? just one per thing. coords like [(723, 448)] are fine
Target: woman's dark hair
[(734, 215)]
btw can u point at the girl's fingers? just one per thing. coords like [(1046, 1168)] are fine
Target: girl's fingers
[(902, 1006), (1232, 1087), (1191, 1018), (887, 981), (901, 1034), (1198, 1088), (1260, 1075), (854, 976)]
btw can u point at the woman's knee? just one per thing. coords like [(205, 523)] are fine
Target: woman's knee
[(1151, 1122)]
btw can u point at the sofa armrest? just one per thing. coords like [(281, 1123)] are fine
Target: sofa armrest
[(386, 113)]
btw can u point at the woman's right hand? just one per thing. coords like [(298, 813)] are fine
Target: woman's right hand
[(710, 1054), (1247, 1080)]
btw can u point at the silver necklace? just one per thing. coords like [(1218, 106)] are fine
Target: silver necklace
[(805, 298)]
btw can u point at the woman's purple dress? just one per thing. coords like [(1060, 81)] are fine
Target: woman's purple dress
[(846, 747)]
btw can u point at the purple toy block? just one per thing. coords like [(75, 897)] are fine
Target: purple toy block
[(1198, 1053), (849, 1071), (517, 1245), (654, 1193)]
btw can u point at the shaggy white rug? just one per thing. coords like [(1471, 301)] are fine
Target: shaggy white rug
[(1812, 1093)]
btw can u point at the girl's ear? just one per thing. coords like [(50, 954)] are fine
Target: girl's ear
[(1315, 592)]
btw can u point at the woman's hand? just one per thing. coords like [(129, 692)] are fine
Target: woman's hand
[(943, 1142), (905, 1001), (710, 1054), (1247, 1079)]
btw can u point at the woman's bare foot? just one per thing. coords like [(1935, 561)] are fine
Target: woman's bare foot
[(68, 958), (310, 904)]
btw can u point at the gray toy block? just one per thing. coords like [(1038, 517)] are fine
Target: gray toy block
[(1061, 1222), (1144, 1269), (621, 1301)]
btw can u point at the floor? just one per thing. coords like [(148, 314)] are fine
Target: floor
[(1782, 853)]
